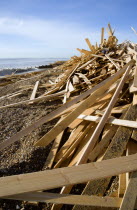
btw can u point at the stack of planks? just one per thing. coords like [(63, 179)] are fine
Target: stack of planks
[(93, 157)]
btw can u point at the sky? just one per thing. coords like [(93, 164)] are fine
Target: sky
[(55, 28)]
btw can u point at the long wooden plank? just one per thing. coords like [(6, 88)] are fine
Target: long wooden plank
[(66, 106), (69, 199), (54, 178), (50, 136), (95, 135), (114, 121)]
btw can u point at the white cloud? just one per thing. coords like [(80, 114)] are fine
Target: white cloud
[(56, 36), (48, 38)]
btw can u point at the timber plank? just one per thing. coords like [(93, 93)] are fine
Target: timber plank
[(54, 178), (68, 199)]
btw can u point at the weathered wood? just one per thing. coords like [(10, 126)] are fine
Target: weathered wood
[(132, 88), (74, 145), (50, 136), (86, 80), (51, 157), (131, 149), (82, 146), (117, 67), (102, 36), (86, 52), (119, 109), (89, 44), (122, 185), (103, 143), (110, 29), (67, 189), (68, 199), (70, 141), (53, 151), (134, 133), (95, 135), (66, 76), (87, 63), (135, 76), (34, 91), (54, 178), (45, 98), (130, 195), (65, 95), (99, 105), (115, 149), (135, 99), (14, 94), (60, 110)]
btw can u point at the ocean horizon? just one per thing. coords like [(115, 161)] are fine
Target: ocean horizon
[(23, 63)]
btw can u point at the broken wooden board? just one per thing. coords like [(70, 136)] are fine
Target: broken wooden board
[(49, 179), (111, 120), (69, 199)]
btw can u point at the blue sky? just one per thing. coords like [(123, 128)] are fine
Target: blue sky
[(55, 28)]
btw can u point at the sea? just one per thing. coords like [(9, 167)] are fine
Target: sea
[(9, 65)]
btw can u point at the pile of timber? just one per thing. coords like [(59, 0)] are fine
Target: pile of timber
[(95, 139)]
